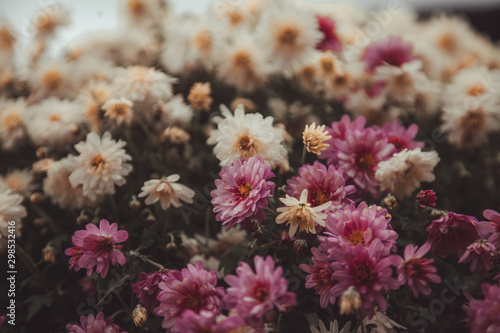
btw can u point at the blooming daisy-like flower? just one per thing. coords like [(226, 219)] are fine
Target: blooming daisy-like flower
[(11, 209), (175, 111), (245, 135), (390, 50), (334, 327), (255, 294), (322, 184), (314, 138), (480, 254), (300, 215), (360, 154), (100, 166), (118, 109), (362, 268), (191, 288), (20, 182), (467, 124), (401, 137), (99, 247), (415, 270), (242, 191), (167, 191), (147, 289), (403, 172), (338, 131), (330, 40), (97, 324), (451, 234), (288, 36), (12, 115), (350, 226), (484, 315), (320, 277)]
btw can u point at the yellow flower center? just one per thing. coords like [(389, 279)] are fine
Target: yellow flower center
[(11, 120), (244, 190), (356, 237)]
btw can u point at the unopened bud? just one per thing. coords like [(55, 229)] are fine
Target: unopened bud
[(48, 253), (139, 315), (82, 219), (171, 247), (36, 198), (151, 219), (350, 301), (436, 214), (134, 204), (299, 245), (390, 202)]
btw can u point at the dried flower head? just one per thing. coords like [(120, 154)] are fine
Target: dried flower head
[(199, 96), (139, 316), (350, 301), (314, 138)]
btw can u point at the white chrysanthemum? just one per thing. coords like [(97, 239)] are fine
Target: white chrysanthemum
[(471, 82), (119, 110), (92, 98), (300, 215), (100, 166), (140, 83), (175, 111), (20, 182), (242, 64), (246, 135), (12, 117), (360, 103), (469, 123), (403, 172), (11, 209), (288, 36), (167, 191), (402, 83), (55, 123), (58, 187)]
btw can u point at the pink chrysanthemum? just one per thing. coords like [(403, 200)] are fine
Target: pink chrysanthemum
[(415, 270), (388, 51), (363, 225), (320, 277), (484, 315), (206, 322), (191, 288), (322, 184), (359, 155), (97, 247), (242, 191), (330, 40), (338, 131), (362, 268), (451, 234), (480, 254), (97, 324), (401, 137), (255, 294), (491, 228), (426, 198), (147, 289)]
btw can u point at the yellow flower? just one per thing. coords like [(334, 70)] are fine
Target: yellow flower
[(314, 138)]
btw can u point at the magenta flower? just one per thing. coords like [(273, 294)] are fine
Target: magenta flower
[(205, 322), (338, 132), (480, 254), (146, 290), (242, 191), (97, 247), (415, 270), (491, 228), (322, 185), (484, 315), (91, 324), (388, 51), (451, 234), (255, 294), (426, 198), (330, 40), (362, 268), (401, 137), (320, 277), (350, 226), (191, 288), (359, 155)]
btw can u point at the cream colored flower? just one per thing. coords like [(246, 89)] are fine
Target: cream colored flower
[(350, 301), (119, 110), (404, 171), (175, 135), (314, 138), (167, 191), (20, 182), (300, 215), (199, 96)]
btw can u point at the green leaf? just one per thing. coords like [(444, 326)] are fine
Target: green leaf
[(147, 238), (37, 301)]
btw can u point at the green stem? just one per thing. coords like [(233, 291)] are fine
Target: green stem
[(113, 287), (144, 258), (303, 159), (46, 217), (26, 257)]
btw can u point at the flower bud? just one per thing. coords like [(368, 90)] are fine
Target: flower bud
[(139, 315)]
